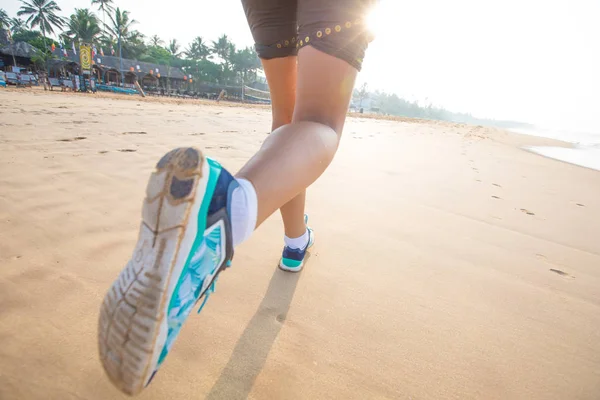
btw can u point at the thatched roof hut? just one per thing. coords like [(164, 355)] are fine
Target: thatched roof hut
[(19, 49)]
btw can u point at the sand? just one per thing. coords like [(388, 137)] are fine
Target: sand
[(449, 263)]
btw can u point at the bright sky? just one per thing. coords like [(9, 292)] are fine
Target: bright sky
[(530, 60)]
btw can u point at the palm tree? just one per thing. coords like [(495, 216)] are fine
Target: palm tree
[(197, 50), (134, 46), (174, 48), (42, 13), (104, 6), (175, 53), (41, 59), (246, 60), (121, 29), (83, 26), (222, 48), (156, 41), (17, 25), (4, 20)]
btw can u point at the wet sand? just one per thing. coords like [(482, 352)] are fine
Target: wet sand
[(449, 263)]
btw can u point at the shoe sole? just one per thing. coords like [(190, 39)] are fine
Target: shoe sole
[(132, 323), (291, 269)]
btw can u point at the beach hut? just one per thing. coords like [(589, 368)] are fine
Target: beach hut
[(129, 78), (111, 76), (19, 53), (61, 68), (150, 80)]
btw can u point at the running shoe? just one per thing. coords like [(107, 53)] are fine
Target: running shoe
[(293, 259), (184, 243)]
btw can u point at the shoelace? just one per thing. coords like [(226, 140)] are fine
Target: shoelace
[(209, 291)]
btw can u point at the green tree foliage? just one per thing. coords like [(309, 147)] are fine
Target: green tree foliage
[(223, 48), (4, 19), (156, 41), (42, 14), (392, 104), (197, 50), (42, 59), (83, 26), (208, 71), (120, 31), (17, 25), (156, 54), (174, 48), (106, 7), (34, 38)]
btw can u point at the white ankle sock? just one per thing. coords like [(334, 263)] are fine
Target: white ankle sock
[(297, 243), (244, 209)]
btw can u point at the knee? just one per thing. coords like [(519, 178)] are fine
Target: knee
[(320, 140), (319, 117)]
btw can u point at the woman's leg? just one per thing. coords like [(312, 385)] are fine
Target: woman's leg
[(281, 75), (295, 155)]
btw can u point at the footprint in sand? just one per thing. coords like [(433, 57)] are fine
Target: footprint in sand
[(580, 205), (127, 150), (72, 139), (103, 151), (225, 147), (229, 131), (495, 184), (526, 211), (198, 134), (135, 133), (558, 271), (496, 197)]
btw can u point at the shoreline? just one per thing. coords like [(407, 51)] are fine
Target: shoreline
[(569, 154)]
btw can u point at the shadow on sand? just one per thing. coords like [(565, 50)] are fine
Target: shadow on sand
[(253, 347)]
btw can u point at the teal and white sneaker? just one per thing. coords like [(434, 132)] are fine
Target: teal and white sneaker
[(293, 259), (183, 245)]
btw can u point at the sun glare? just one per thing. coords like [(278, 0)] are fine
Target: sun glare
[(376, 20)]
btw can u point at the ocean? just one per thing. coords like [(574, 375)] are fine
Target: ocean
[(585, 151)]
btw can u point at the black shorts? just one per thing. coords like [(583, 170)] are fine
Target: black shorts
[(335, 27)]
